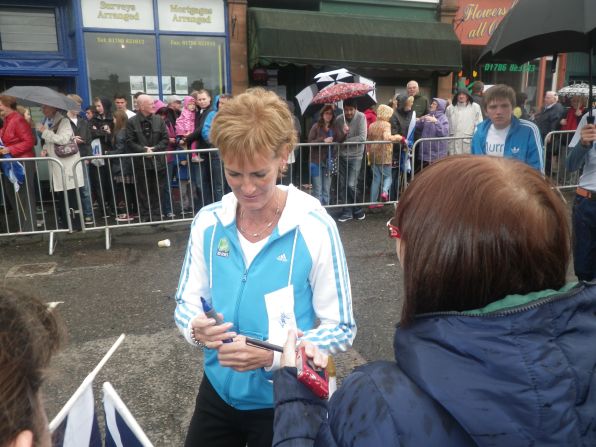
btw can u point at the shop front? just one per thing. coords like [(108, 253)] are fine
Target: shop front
[(474, 23), (286, 48), (100, 48)]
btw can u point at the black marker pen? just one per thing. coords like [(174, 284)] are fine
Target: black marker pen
[(263, 345)]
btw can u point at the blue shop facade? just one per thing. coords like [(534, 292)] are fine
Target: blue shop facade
[(100, 48)]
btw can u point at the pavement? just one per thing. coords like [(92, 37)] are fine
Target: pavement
[(129, 289)]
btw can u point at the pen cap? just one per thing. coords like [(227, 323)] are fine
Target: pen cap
[(206, 306)]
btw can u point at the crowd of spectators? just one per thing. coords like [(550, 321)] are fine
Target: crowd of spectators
[(161, 187)]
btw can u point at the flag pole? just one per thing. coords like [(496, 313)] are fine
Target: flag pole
[(115, 400), (83, 386)]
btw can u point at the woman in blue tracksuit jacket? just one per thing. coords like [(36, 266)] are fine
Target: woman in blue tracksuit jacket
[(493, 348), (268, 258)]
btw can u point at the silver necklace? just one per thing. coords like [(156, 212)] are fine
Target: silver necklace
[(265, 228)]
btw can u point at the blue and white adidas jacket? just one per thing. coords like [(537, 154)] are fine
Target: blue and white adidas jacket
[(522, 143), (304, 252)]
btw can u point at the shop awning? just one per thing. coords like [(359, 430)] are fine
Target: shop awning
[(315, 38)]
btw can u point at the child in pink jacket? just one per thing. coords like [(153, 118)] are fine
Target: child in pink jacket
[(185, 124)]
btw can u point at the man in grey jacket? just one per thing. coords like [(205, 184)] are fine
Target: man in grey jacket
[(353, 123)]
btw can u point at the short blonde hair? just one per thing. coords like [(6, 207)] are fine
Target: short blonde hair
[(384, 113), (256, 123), (76, 98)]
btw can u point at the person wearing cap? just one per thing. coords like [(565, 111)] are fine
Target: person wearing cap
[(463, 115)]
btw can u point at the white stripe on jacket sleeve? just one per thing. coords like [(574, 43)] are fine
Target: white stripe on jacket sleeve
[(194, 278), (330, 283)]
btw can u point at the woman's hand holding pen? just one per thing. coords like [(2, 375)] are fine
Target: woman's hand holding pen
[(206, 331), (241, 357), (288, 358)]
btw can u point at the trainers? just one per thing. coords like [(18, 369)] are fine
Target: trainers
[(384, 197), (88, 220), (375, 206), (170, 215), (360, 215), (124, 218), (345, 217)]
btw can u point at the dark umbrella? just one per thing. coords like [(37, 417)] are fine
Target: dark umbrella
[(535, 28), (32, 95)]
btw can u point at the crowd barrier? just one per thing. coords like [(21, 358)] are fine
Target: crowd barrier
[(162, 188), (556, 150), (28, 208)]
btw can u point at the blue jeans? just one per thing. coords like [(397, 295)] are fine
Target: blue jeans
[(321, 185), (217, 176), (380, 172), (349, 169), (167, 188), (584, 238), (85, 193)]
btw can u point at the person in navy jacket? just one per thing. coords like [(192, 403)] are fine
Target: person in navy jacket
[(493, 347), (503, 135)]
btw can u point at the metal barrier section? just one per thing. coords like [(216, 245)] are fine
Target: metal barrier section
[(556, 151), (426, 151), (147, 189), (28, 206), (346, 175), (171, 187)]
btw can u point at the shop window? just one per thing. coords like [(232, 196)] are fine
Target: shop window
[(191, 63), (121, 63), (28, 29)]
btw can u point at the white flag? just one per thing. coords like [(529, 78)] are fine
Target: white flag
[(122, 430), (77, 426)]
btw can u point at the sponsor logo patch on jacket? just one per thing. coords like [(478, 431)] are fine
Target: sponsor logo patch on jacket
[(223, 248)]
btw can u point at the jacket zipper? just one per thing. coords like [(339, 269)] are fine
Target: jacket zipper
[(243, 280), (514, 310)]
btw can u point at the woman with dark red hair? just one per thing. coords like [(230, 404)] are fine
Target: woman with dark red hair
[(493, 347)]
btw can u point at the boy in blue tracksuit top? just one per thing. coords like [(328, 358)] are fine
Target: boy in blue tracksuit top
[(503, 135)]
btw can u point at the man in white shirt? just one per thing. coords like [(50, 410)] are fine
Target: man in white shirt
[(503, 135), (121, 104)]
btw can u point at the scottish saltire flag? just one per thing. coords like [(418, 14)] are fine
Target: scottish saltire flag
[(405, 164), (76, 424), (122, 430), (14, 171)]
